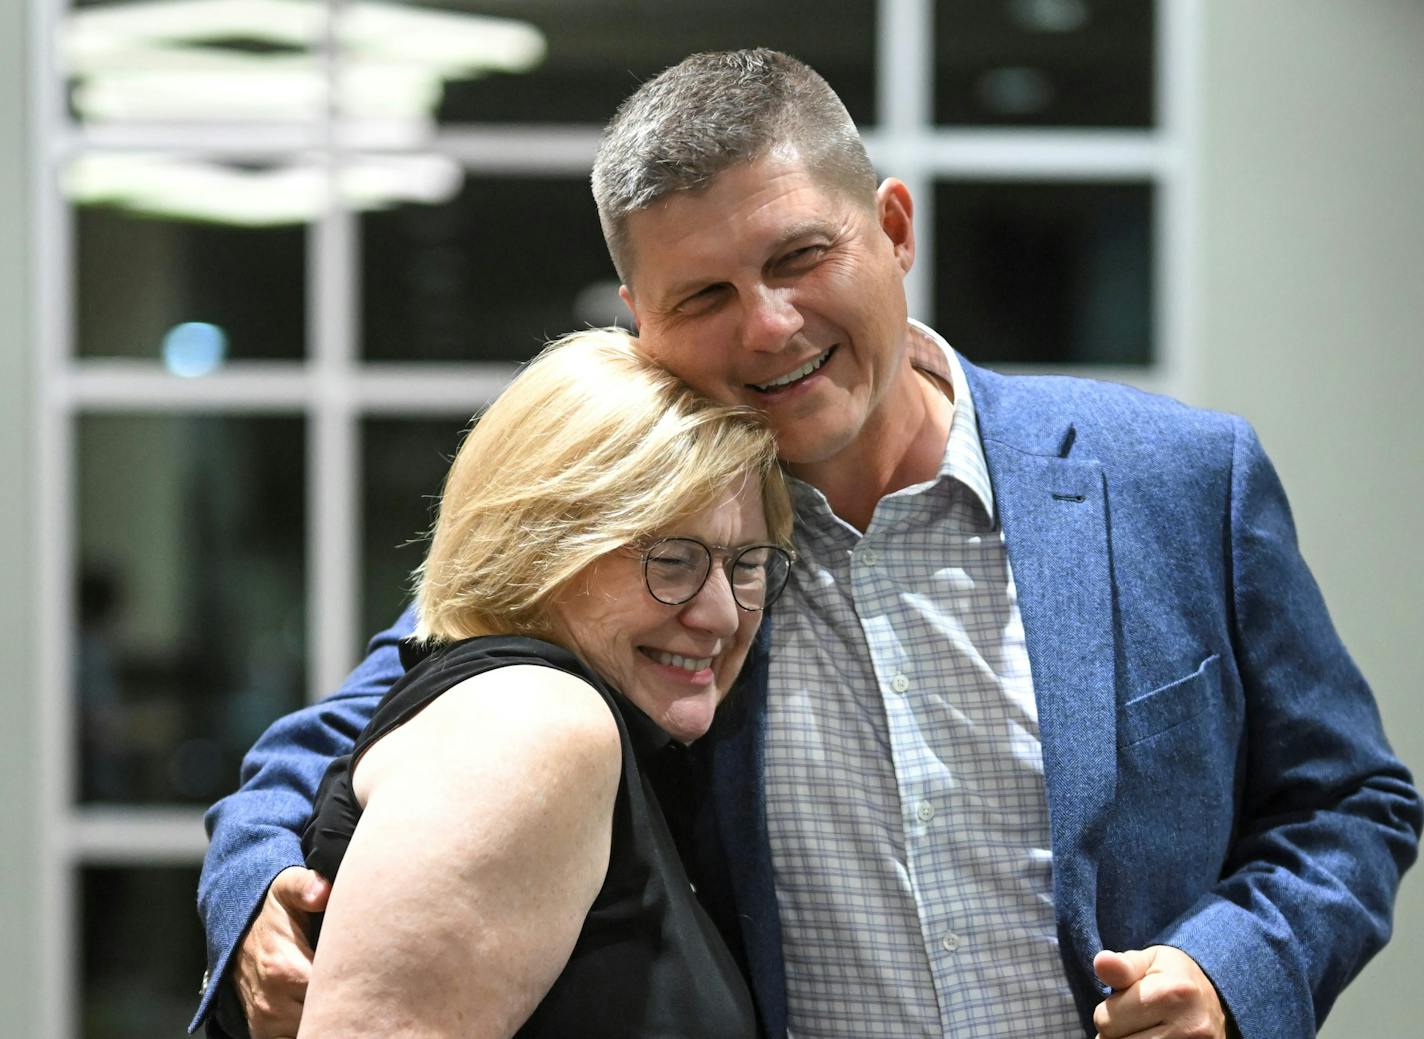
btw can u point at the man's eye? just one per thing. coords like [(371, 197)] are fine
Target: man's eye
[(702, 300), (800, 259), (670, 563)]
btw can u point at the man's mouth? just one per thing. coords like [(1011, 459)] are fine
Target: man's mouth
[(689, 664), (796, 375)]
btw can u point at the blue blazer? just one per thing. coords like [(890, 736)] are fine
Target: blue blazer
[(1217, 776)]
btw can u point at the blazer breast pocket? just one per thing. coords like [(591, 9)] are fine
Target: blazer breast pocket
[(1167, 706)]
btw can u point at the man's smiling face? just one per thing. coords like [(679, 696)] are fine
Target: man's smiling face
[(770, 289)]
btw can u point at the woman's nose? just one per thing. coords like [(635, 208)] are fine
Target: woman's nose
[(713, 609)]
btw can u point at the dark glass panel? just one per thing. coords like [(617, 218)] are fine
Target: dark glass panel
[(403, 465), (490, 275), (143, 951), (1045, 63), (137, 278), (191, 606), (1045, 273), (600, 50)]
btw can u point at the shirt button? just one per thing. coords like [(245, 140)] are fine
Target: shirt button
[(900, 683), (869, 557), (924, 811), (949, 942)]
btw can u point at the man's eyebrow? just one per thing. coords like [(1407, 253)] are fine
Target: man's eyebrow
[(674, 293), (804, 229)]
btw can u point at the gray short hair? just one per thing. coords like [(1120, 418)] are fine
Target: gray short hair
[(682, 128)]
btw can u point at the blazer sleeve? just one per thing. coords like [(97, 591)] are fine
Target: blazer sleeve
[(1328, 820), (255, 833)]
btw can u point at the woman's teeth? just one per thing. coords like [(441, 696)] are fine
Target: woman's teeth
[(685, 663), (800, 373)]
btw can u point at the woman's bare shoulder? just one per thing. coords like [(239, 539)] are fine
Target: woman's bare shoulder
[(540, 723)]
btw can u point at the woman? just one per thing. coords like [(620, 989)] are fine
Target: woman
[(606, 542)]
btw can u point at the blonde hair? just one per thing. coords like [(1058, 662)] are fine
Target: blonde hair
[(589, 449)]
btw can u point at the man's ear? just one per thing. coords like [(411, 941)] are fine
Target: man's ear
[(626, 295), (895, 211)]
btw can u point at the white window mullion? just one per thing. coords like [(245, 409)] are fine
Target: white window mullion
[(59, 936), (134, 835), (1027, 153), (243, 387), (904, 80), (333, 521), (904, 66), (520, 149), (333, 513)]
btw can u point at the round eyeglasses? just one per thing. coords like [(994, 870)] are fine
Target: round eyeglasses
[(675, 569)]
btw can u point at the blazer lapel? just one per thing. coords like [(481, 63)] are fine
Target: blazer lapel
[(1054, 511)]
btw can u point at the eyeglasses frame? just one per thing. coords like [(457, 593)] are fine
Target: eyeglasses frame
[(729, 554)]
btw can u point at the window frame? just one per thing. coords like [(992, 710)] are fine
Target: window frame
[(335, 390)]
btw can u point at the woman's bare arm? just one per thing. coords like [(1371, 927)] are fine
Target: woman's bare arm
[(483, 843)]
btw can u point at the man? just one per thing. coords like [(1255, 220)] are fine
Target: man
[(1053, 735)]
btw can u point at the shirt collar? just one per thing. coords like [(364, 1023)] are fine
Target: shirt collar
[(963, 450)]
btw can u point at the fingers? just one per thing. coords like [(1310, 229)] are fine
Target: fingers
[(272, 996), (1122, 970), (273, 963), (1170, 997), (301, 889)]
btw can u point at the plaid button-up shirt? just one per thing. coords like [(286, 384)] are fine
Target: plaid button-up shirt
[(904, 774)]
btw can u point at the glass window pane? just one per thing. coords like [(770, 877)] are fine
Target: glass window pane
[(1045, 63), (1045, 273), (143, 951), (598, 51), (191, 598), (490, 275), (188, 293), (403, 465)]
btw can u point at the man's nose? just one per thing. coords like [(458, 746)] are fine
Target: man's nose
[(713, 609), (770, 318)]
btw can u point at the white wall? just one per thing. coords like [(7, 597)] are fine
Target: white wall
[(1311, 323), (19, 835)]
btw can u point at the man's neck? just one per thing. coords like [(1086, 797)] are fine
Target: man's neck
[(901, 444)]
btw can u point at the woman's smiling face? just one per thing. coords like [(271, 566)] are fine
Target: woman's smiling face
[(675, 663)]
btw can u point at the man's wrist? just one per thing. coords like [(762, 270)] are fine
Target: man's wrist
[(226, 1019)]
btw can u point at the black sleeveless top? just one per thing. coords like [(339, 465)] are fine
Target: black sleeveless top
[(648, 962)]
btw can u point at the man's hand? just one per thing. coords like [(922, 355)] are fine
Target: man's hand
[(274, 960), (1159, 993)]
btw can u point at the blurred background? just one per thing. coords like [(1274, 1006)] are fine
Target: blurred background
[(260, 261)]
